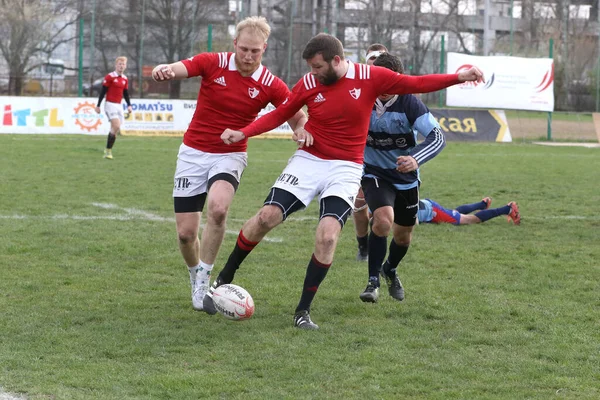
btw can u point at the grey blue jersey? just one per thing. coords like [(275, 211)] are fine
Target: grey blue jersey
[(425, 213), (393, 131)]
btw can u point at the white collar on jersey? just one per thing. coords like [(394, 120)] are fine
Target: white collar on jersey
[(256, 75), (351, 73), (380, 108)]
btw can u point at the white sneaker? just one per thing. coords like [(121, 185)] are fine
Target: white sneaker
[(200, 283)]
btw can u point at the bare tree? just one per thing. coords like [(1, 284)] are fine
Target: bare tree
[(172, 26), (30, 30), (172, 30)]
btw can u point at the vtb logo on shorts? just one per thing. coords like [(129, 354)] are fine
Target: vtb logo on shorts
[(253, 92), (182, 183), (288, 178)]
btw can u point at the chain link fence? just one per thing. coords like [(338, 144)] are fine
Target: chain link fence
[(420, 33)]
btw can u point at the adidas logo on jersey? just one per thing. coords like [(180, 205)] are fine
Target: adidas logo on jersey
[(319, 98), (221, 81)]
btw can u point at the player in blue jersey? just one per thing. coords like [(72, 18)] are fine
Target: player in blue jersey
[(360, 215), (391, 178), (432, 213)]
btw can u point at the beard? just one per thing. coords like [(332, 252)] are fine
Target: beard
[(329, 78), (246, 68)]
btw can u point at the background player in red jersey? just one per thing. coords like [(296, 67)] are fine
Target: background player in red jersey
[(339, 95), (115, 87), (235, 87)]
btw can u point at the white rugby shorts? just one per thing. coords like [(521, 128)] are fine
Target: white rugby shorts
[(307, 176), (195, 168), (113, 111)]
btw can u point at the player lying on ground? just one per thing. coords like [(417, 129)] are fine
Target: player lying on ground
[(431, 212)]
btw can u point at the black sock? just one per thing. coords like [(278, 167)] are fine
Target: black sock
[(396, 255), (242, 248), (492, 213), (469, 208), (110, 141), (377, 249), (363, 242), (315, 274)]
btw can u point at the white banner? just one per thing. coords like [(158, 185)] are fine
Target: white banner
[(511, 83), (58, 115)]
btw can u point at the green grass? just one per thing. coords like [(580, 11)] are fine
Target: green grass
[(94, 301), (557, 115)]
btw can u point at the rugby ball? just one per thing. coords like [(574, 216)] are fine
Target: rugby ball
[(233, 302)]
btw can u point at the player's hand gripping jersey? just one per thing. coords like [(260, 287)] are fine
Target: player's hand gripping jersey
[(393, 130), (228, 100), (339, 114)]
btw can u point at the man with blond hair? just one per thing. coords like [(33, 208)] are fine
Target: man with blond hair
[(235, 88), (115, 87)]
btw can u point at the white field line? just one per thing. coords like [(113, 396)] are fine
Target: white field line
[(564, 217), (132, 214), (9, 396)]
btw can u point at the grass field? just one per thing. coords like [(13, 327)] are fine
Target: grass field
[(94, 296)]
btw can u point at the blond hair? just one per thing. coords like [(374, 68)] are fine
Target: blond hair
[(256, 25), (121, 58)]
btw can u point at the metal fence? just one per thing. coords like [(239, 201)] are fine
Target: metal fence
[(417, 31)]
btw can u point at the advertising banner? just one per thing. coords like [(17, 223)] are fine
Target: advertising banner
[(511, 83), (56, 115), (473, 125)]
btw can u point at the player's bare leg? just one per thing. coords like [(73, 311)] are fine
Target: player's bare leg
[(218, 201), (267, 218), (189, 246), (115, 128), (326, 240), (187, 233), (469, 219), (253, 231), (360, 216)]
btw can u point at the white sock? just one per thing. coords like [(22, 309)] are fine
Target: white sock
[(193, 274), (205, 268)]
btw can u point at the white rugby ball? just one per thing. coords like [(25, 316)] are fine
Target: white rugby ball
[(233, 302)]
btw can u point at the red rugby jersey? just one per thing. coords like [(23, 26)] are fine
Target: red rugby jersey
[(115, 85), (339, 114), (228, 100)]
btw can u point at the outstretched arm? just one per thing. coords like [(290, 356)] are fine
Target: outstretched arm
[(393, 83), (166, 72)]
